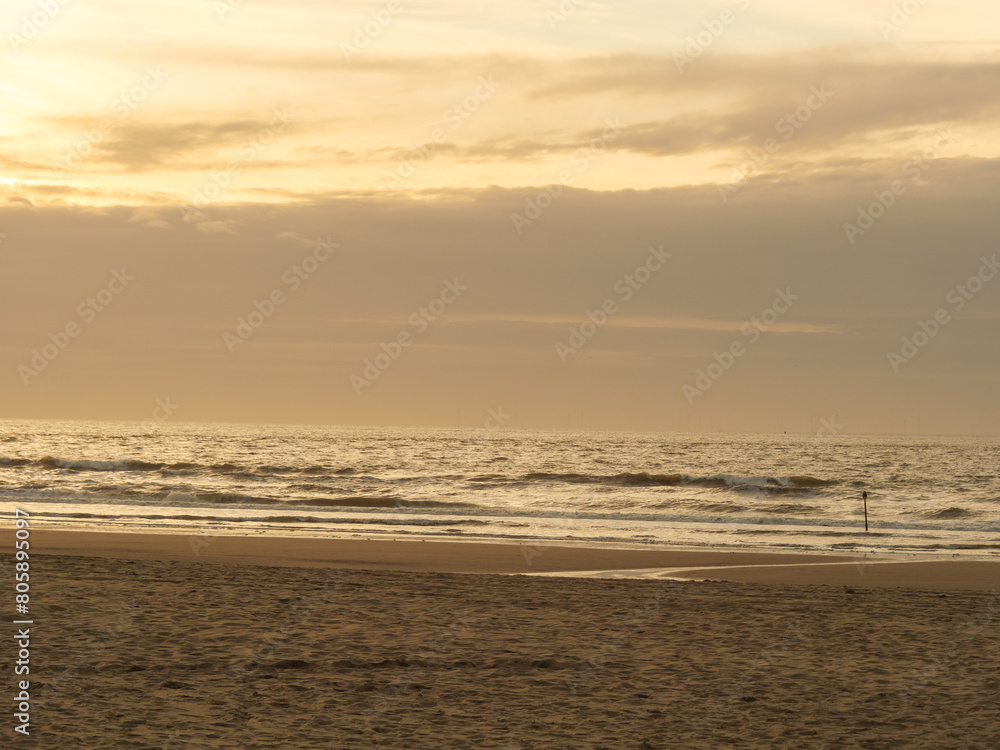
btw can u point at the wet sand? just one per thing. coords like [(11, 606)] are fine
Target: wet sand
[(540, 558), (141, 642)]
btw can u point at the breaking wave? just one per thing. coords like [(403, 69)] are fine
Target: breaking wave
[(645, 479)]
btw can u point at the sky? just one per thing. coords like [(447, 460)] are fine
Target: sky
[(745, 215)]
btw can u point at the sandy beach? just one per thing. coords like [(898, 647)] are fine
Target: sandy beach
[(146, 641)]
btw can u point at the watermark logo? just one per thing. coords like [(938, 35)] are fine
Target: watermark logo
[(696, 46), (886, 199), (455, 116), (164, 410), (581, 160), (223, 8), (901, 15), (420, 321), (786, 126), (88, 311), (563, 11), (724, 361), (367, 32), (123, 105), (625, 288), (31, 26), (264, 310), (220, 180), (957, 297)]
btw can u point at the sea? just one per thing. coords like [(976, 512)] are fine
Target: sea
[(927, 495)]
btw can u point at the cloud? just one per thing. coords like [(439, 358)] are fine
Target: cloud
[(738, 97), (218, 227), (525, 293), (140, 146), (150, 217), (692, 126)]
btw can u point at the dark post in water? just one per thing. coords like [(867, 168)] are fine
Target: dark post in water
[(864, 496)]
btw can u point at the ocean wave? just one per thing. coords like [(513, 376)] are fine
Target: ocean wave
[(808, 481), (491, 478), (419, 521), (779, 490), (48, 462), (643, 479), (233, 471), (385, 501), (716, 507), (291, 519), (646, 479), (948, 513), (180, 497), (629, 479), (181, 468), (766, 482), (298, 470), (788, 508), (15, 462), (274, 470)]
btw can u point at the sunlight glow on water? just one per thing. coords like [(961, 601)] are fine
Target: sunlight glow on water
[(774, 491)]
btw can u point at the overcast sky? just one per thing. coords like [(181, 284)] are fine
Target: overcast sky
[(754, 215)]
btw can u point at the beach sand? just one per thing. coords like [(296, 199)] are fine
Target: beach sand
[(145, 641)]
